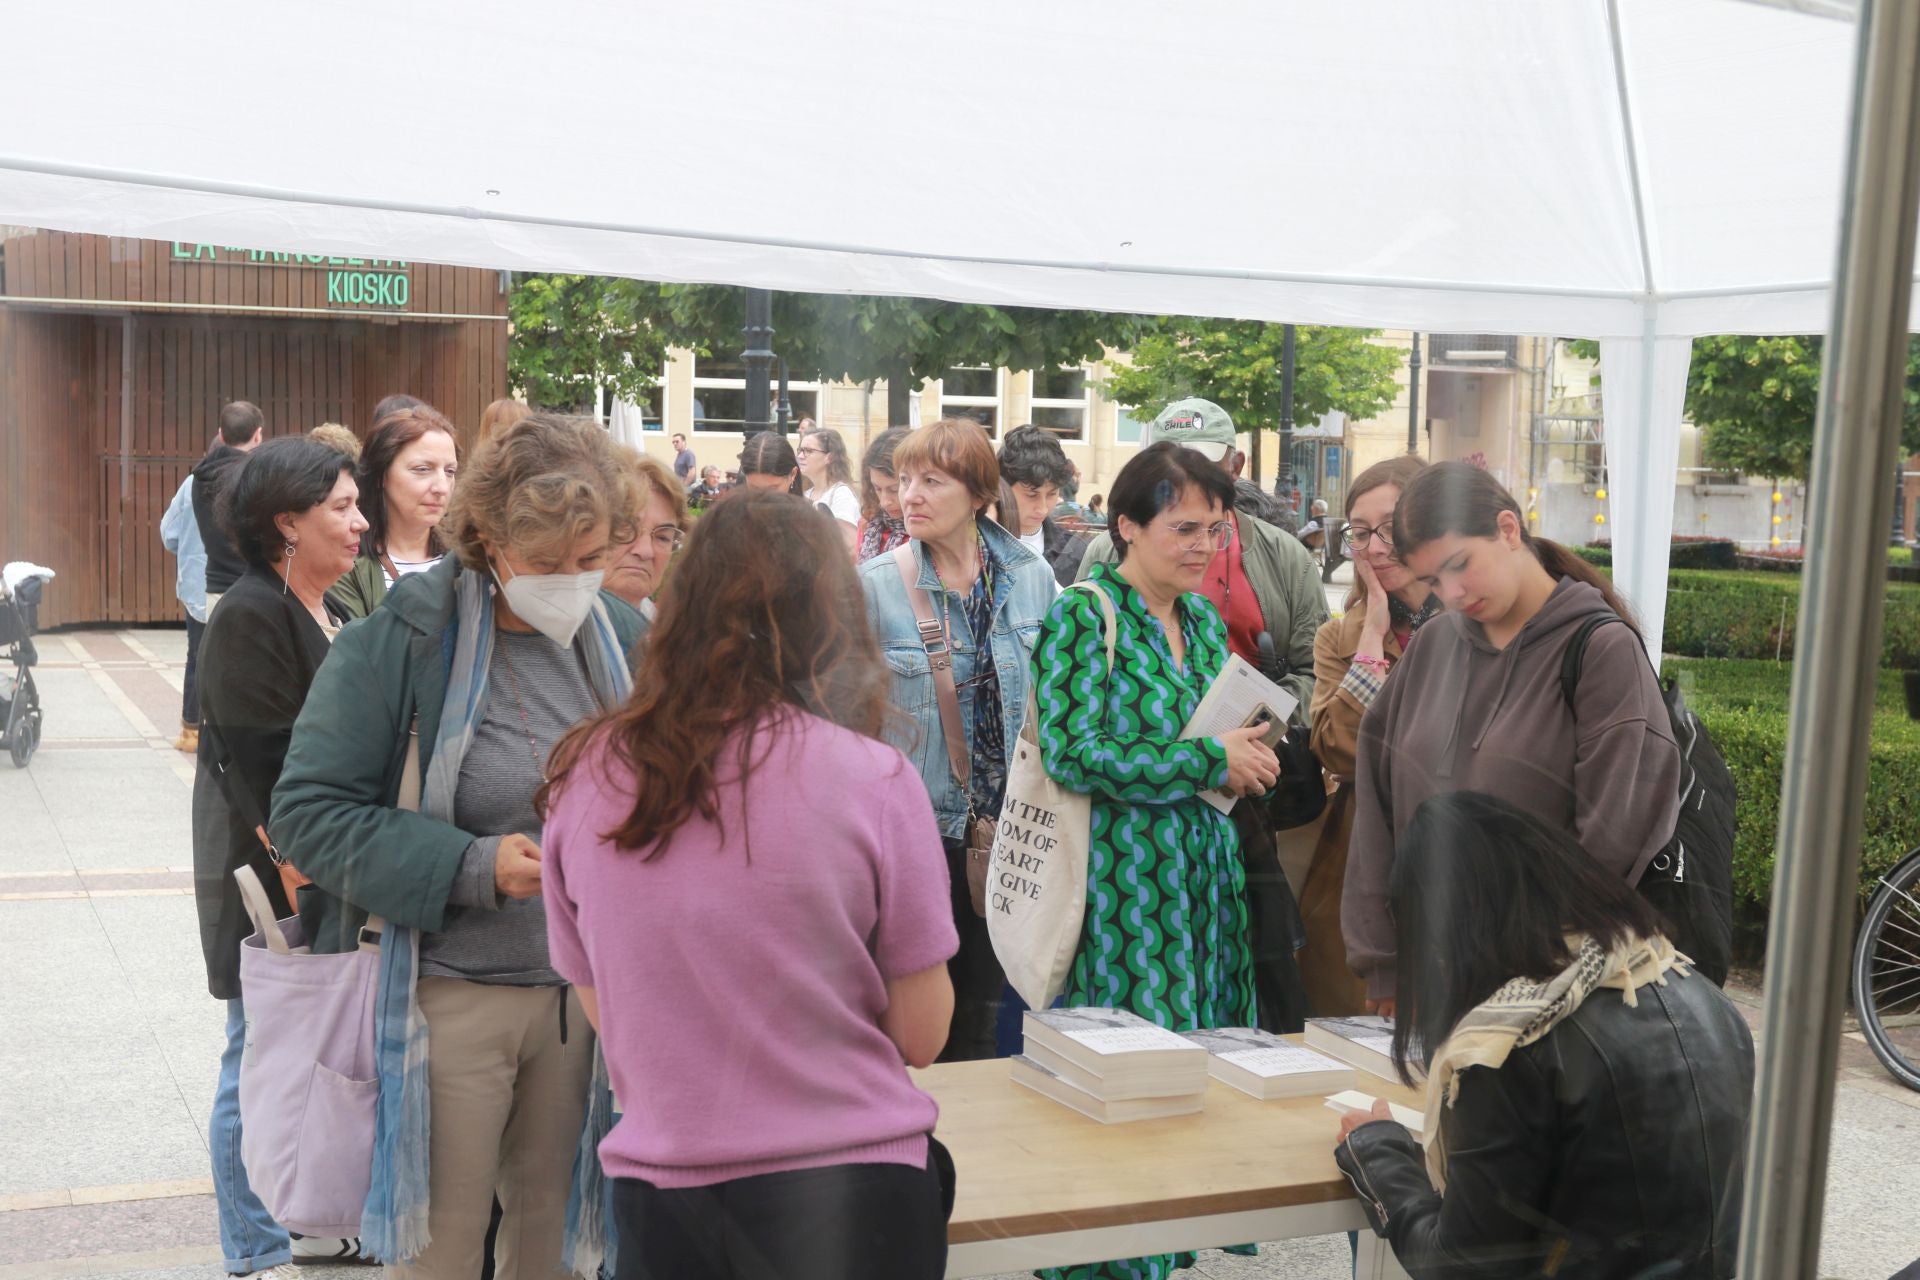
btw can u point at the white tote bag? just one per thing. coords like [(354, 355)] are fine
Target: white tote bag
[(1037, 878)]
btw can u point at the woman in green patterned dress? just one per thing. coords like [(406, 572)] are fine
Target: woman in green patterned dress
[(1166, 927)]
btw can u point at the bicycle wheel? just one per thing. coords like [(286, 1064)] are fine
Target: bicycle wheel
[(1886, 972)]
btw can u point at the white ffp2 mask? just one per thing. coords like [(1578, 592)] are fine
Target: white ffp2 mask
[(554, 604)]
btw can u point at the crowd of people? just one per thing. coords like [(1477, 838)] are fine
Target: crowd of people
[(668, 804)]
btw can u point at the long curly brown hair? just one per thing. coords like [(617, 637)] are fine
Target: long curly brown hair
[(762, 619)]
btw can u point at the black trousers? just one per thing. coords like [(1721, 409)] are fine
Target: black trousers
[(978, 980), (190, 688), (841, 1222)]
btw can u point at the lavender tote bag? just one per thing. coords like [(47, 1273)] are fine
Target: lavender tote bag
[(307, 1082)]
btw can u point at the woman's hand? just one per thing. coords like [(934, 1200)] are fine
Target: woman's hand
[(516, 867), (1384, 1007), (1252, 768), (1373, 629), (1353, 1120)]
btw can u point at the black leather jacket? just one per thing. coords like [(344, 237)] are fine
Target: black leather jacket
[(1614, 1146)]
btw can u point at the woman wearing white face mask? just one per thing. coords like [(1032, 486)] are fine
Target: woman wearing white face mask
[(489, 658)]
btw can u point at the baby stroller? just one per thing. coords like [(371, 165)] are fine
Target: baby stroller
[(20, 587)]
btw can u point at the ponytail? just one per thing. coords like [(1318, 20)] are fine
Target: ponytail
[(1562, 563)]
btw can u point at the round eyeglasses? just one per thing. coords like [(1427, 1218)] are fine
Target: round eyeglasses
[(1358, 536), (1189, 535)]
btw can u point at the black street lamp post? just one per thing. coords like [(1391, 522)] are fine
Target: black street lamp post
[(758, 359), (1413, 398), (1283, 487)]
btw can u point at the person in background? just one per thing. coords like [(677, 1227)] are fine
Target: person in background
[(678, 812), (180, 534), (684, 462), (500, 415), (882, 527), (828, 473), (1588, 1095), (290, 512), (1478, 704), (988, 594), (1096, 509), (242, 427), (407, 472), (1177, 954), (711, 486), (338, 437), (767, 462), (483, 662), (1034, 465), (1353, 657), (637, 568)]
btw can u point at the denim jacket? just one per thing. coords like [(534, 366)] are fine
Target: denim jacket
[(1021, 597), (180, 534)]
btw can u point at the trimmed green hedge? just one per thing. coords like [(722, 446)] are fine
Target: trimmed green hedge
[(1756, 615), (1744, 706), (1682, 553)]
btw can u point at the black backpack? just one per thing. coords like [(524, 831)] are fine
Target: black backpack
[(1690, 881)]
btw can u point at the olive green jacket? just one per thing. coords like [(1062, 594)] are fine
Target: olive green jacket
[(360, 592)]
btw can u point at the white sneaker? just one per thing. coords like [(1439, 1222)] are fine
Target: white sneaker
[(312, 1250), (285, 1271)]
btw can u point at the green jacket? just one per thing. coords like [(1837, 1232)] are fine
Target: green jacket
[(360, 592), (333, 807), (1286, 584)]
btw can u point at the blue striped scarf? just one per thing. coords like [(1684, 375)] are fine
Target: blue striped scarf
[(393, 1225)]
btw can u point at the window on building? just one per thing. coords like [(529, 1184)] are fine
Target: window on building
[(1128, 429), (652, 403), (973, 393), (1060, 402), (720, 396)]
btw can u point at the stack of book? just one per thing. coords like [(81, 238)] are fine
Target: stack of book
[(1262, 1064), (1364, 1042), (1111, 1065)]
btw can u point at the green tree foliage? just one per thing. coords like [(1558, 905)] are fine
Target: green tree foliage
[(573, 332), (1236, 364), (1755, 400)]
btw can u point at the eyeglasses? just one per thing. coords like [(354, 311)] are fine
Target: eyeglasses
[(668, 539), (1191, 534), (806, 451), (1358, 536)]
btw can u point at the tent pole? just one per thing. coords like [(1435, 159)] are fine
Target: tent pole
[(1838, 666)]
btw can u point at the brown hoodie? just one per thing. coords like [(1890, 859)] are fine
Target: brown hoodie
[(1461, 715)]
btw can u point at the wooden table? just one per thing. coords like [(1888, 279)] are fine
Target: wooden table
[(1041, 1185)]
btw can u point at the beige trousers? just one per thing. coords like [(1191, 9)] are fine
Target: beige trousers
[(508, 1099)]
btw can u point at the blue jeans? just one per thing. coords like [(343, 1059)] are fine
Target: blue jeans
[(249, 1237)]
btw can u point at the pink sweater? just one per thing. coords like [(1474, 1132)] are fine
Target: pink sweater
[(741, 972)]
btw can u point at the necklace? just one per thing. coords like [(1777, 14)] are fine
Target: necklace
[(526, 725)]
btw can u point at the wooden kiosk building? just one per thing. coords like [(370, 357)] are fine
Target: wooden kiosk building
[(116, 356)]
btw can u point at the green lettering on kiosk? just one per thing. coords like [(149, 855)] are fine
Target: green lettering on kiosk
[(333, 287)]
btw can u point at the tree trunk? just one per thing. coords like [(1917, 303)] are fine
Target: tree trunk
[(899, 398)]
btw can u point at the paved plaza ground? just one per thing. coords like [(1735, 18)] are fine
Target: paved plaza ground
[(111, 1041)]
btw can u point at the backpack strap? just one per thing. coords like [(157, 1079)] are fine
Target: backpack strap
[(1576, 652)]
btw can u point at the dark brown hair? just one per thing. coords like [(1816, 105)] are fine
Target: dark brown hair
[(1460, 499), (239, 421), (769, 454), (392, 433), (1397, 472), (878, 457), (762, 618), (1154, 479)]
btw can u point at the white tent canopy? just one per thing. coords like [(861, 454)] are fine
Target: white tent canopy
[(1639, 171)]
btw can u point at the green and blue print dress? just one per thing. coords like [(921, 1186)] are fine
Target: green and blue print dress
[(1165, 933)]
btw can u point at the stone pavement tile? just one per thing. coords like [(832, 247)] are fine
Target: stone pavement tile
[(157, 943), (1873, 1184), (75, 706), (43, 1235), (212, 1271), (30, 839), (148, 690), (125, 808)]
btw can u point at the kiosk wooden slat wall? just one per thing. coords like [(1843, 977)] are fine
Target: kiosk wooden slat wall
[(116, 356)]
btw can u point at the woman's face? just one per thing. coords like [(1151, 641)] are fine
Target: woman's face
[(1372, 514), (768, 483), (1036, 503), (1172, 551), (1480, 577), (934, 504), (326, 536), (886, 487), (585, 554), (637, 567), (813, 460), (419, 481)]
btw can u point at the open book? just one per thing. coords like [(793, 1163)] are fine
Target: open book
[(1238, 697)]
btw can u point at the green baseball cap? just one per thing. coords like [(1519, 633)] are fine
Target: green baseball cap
[(1197, 424)]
